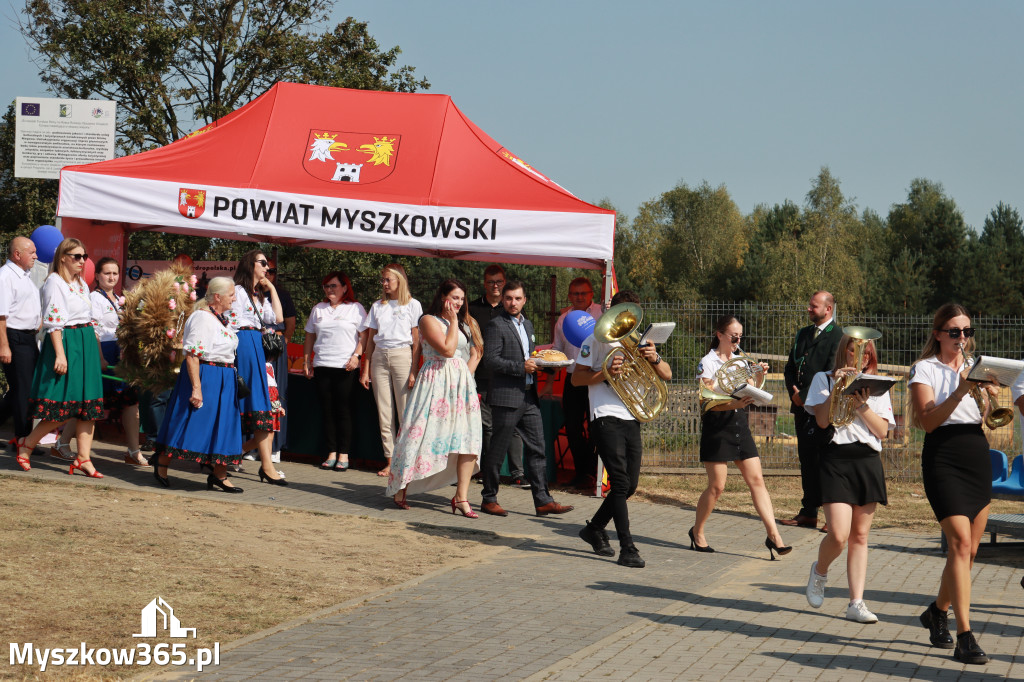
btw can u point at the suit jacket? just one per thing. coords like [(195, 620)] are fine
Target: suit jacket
[(809, 356), (503, 357), (483, 312)]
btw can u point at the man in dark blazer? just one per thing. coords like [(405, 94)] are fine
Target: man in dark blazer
[(813, 351), (508, 343)]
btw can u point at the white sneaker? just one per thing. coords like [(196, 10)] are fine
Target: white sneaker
[(275, 456), (858, 612), (816, 587), (251, 456), (235, 467), (281, 474)]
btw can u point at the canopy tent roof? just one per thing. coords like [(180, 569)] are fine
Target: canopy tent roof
[(361, 170)]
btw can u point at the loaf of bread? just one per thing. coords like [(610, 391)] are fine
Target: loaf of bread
[(550, 355)]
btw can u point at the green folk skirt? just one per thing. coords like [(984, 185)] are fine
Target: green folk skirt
[(77, 394)]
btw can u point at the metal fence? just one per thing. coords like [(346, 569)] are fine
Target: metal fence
[(673, 438)]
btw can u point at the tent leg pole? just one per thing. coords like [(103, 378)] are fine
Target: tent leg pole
[(608, 265)]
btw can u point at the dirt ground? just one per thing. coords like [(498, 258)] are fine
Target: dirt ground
[(84, 559)]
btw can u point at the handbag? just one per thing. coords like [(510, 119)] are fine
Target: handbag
[(273, 344), (241, 388)]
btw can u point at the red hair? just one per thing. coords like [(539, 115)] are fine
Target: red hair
[(348, 296)]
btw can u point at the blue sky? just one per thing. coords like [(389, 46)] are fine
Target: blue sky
[(623, 101)]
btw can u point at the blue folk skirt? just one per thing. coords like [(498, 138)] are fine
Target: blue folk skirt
[(211, 433), (256, 411)]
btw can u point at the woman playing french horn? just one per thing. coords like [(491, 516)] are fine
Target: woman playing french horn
[(956, 470), (725, 436), (852, 478)]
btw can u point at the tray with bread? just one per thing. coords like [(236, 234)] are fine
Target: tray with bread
[(551, 358)]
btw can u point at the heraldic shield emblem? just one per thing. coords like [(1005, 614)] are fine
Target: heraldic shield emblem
[(191, 202), (357, 158)]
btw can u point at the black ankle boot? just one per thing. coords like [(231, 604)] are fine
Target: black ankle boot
[(938, 628), (967, 649)]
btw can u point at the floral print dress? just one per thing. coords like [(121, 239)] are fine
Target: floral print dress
[(442, 418)]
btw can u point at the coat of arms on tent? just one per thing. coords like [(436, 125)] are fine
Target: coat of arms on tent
[(356, 158), (191, 202)]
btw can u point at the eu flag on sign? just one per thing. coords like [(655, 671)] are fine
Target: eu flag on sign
[(29, 108)]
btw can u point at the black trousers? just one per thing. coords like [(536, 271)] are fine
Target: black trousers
[(525, 419), (334, 386), (619, 445), (810, 476), (24, 354), (576, 409), (515, 448)]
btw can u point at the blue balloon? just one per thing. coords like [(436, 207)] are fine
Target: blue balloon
[(577, 326), (46, 238)]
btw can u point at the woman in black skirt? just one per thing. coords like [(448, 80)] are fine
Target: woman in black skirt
[(852, 479), (956, 470), (725, 437)]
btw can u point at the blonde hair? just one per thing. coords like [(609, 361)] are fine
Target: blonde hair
[(65, 247), (218, 286), (403, 283), (931, 348)]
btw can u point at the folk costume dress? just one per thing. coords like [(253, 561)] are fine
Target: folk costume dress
[(442, 417), (851, 463), (955, 465), (211, 433), (106, 309), (79, 393), (724, 435), (247, 322)]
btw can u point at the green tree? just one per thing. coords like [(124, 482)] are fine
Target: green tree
[(173, 65), (772, 267), (998, 258), (931, 227)]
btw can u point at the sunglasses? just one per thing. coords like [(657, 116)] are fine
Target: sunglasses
[(955, 332), (262, 262), (735, 339), (79, 256)]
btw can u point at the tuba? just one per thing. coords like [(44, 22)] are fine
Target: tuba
[(840, 407), (641, 390), (997, 416), (728, 379)]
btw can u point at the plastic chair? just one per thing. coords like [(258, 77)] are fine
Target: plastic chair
[(1000, 470), (1014, 483)]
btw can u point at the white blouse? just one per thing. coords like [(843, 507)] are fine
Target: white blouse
[(944, 380), (337, 332), (105, 315), (856, 431), (64, 304), (207, 339), (242, 314), (394, 323)]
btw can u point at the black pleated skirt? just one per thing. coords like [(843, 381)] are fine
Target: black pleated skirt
[(957, 471), (725, 437), (852, 474)]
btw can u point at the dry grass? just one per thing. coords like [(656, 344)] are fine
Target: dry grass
[(908, 508), (79, 563)]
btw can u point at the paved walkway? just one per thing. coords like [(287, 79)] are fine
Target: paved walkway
[(546, 608)]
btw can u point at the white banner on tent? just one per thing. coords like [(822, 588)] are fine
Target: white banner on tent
[(51, 133), (253, 212)]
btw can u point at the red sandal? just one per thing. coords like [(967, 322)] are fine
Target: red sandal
[(77, 464)]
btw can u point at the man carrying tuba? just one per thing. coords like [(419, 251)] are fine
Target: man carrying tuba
[(616, 433)]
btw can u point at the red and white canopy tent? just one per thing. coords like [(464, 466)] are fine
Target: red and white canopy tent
[(399, 173)]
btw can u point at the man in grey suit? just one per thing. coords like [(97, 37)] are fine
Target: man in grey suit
[(508, 342)]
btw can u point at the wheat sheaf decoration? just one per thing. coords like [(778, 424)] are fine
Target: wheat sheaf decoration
[(151, 329)]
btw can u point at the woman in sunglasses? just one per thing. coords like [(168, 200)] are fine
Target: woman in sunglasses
[(67, 382), (725, 437), (956, 470), (256, 305)]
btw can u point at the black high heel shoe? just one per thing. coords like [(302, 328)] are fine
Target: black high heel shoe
[(273, 481), (162, 480), (772, 548), (698, 548), (212, 481)]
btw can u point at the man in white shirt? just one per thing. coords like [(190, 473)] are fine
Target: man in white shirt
[(20, 317), (616, 432), (575, 404)]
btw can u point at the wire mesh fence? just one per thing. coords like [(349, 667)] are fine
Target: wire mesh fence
[(672, 439)]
